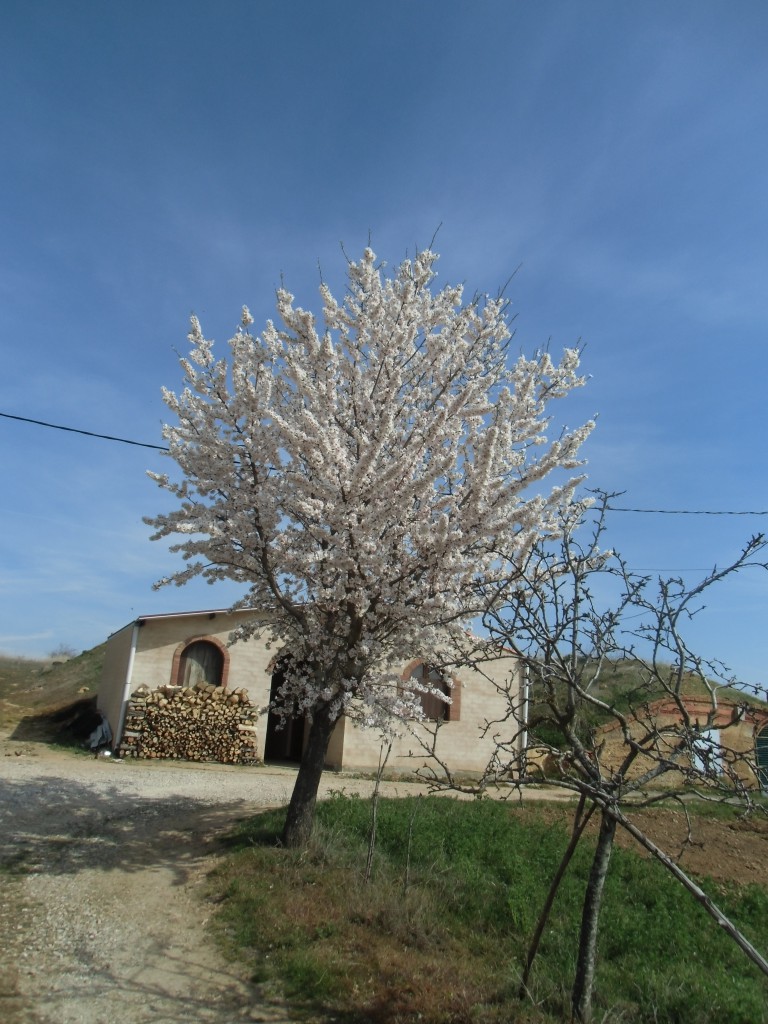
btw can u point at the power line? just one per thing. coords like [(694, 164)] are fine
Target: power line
[(87, 433), (682, 512), (162, 448)]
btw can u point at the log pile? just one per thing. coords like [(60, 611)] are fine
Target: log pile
[(198, 723)]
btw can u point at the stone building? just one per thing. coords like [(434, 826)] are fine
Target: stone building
[(184, 648)]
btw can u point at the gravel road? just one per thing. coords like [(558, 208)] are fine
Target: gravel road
[(101, 890)]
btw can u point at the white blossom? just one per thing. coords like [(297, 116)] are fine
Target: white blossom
[(360, 476)]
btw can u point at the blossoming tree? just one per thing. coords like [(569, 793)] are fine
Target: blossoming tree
[(359, 478)]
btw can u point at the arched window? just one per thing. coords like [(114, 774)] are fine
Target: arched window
[(201, 662), (434, 708)]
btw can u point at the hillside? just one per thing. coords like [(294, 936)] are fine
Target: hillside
[(42, 699), (626, 683)]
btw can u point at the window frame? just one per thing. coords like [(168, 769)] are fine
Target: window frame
[(451, 712), (178, 668)]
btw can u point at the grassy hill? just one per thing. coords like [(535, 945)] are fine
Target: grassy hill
[(626, 685), (41, 699), (624, 682)]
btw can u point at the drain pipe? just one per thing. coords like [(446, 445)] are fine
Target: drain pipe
[(127, 685), (524, 718)]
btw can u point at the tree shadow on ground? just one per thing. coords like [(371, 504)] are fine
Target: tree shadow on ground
[(59, 826), (177, 989)]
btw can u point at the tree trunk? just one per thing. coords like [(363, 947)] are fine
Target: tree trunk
[(581, 997), (301, 810), (580, 821), (383, 758)]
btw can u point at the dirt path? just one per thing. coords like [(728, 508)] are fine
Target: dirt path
[(102, 914), (105, 930)]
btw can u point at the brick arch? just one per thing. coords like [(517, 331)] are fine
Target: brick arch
[(452, 710), (275, 660), (202, 638)]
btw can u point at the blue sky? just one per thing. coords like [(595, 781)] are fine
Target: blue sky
[(173, 157)]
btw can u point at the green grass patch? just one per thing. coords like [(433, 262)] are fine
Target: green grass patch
[(439, 933), (15, 864)]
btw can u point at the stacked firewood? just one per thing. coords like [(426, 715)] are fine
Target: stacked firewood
[(198, 723)]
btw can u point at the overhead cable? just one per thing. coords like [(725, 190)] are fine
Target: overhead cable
[(682, 511), (88, 433), (162, 448)]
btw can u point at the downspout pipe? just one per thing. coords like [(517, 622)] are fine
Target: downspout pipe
[(127, 684), (524, 721)]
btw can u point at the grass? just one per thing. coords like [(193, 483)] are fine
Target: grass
[(626, 681), (439, 933)]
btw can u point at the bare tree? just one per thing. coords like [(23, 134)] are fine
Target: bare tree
[(63, 652), (619, 710)]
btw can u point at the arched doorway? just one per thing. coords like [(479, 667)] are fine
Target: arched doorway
[(761, 757), (285, 732)]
